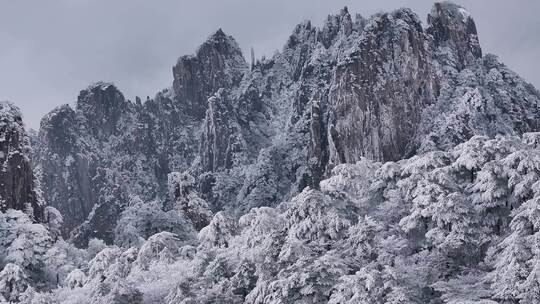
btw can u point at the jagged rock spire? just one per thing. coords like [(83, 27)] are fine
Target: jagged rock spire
[(218, 63), (453, 27), (375, 99), (17, 186), (335, 24), (102, 105)]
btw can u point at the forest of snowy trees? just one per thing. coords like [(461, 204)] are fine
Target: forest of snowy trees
[(460, 226)]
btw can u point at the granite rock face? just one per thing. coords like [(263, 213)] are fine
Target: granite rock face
[(218, 63), (101, 107), (452, 28), (220, 134), (382, 87), (379, 90), (17, 182)]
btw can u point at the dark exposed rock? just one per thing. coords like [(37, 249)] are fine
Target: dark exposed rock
[(317, 148), (102, 105), (378, 93), (183, 192), (334, 26), (109, 203), (220, 140), (454, 30), (218, 63), (17, 185), (299, 47), (67, 157)]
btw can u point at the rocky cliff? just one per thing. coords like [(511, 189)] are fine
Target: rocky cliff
[(383, 88), (17, 182)]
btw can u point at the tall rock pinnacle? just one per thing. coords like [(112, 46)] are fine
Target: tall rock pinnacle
[(17, 187), (218, 63), (453, 27)]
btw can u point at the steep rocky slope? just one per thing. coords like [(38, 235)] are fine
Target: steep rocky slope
[(384, 88), (17, 183)]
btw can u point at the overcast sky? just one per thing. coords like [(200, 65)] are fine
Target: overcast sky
[(50, 50)]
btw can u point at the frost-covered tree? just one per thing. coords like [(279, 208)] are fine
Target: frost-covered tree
[(31, 296), (143, 219), (219, 231), (163, 246), (102, 262), (53, 220), (516, 257), (184, 195), (75, 279), (365, 286), (314, 217), (13, 282), (23, 242), (63, 258)]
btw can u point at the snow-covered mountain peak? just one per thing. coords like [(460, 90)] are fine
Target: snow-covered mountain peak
[(217, 63), (454, 32)]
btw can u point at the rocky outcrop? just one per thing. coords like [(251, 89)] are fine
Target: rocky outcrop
[(218, 63), (102, 107), (71, 150), (317, 147), (334, 26), (454, 33), (17, 184), (67, 167), (383, 88), (220, 140), (379, 90)]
